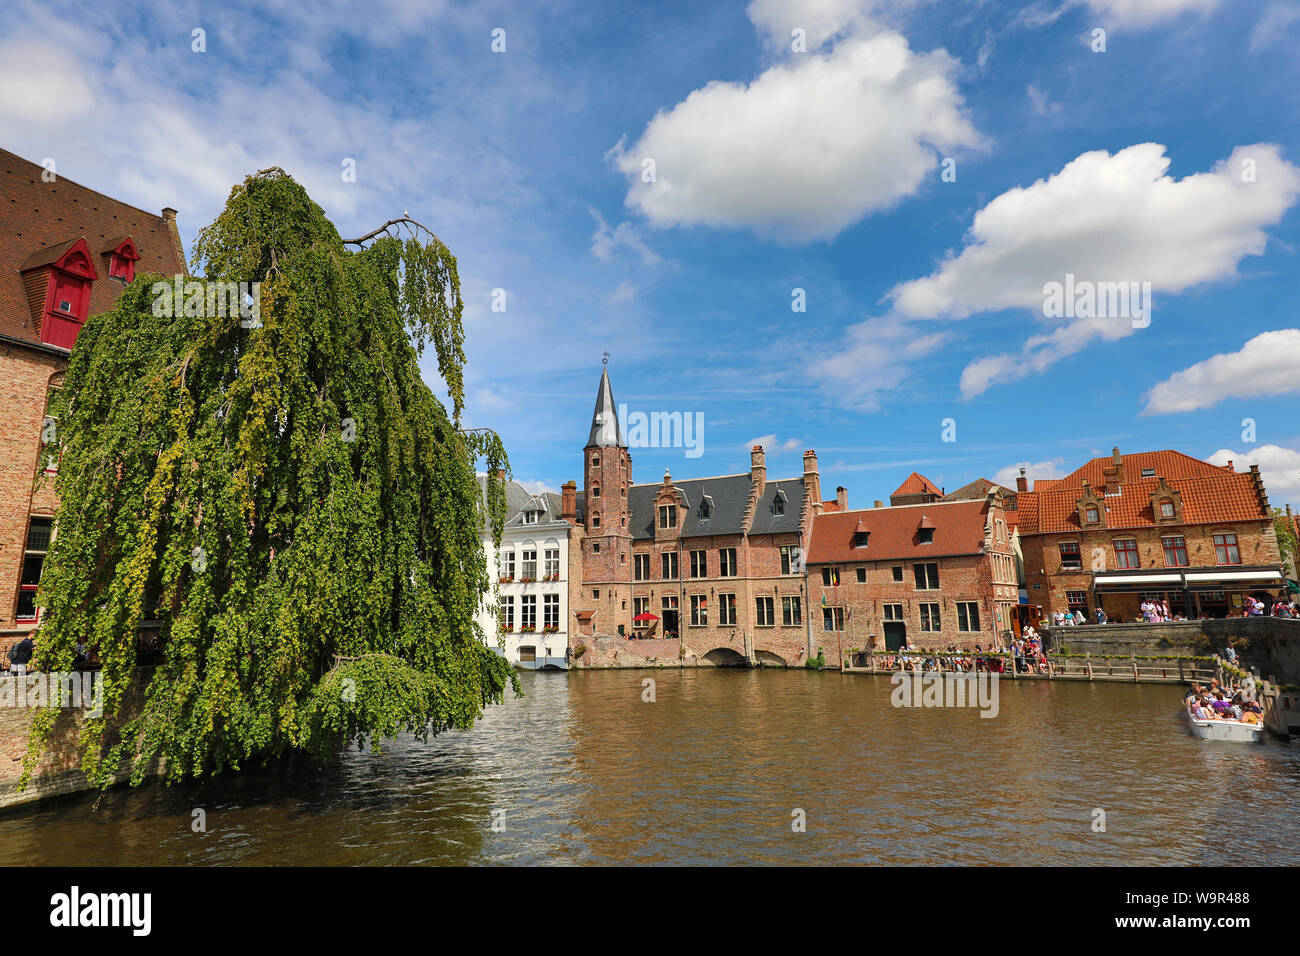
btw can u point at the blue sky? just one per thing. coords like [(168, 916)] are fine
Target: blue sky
[(775, 170)]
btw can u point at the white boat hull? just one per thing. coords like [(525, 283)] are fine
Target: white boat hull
[(1231, 730)]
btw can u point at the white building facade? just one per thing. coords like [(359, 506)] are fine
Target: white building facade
[(526, 615)]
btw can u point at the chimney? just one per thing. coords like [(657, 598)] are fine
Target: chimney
[(812, 480), (842, 498), (1117, 462), (569, 502), (169, 217), (757, 466), (878, 504), (1022, 483)]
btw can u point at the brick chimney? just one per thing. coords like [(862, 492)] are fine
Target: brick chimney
[(169, 217), (1022, 483), (812, 479), (757, 467), (878, 503), (842, 498), (569, 502)]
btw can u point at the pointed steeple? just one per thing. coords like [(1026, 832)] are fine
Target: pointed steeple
[(606, 431)]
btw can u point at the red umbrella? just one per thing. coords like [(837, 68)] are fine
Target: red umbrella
[(646, 617)]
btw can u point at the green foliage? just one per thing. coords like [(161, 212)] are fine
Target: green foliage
[(211, 480), (1286, 539), (816, 663)]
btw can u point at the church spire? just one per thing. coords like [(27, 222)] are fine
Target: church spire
[(606, 432)]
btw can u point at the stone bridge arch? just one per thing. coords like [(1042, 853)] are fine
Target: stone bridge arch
[(726, 657)]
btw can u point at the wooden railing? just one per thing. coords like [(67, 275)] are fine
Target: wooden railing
[(1131, 669)]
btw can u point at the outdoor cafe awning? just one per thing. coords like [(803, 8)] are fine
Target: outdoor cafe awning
[(1199, 580)]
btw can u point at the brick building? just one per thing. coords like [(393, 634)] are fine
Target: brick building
[(1155, 524), (66, 252), (715, 564), (934, 574)]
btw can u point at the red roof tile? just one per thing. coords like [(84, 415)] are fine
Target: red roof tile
[(959, 529), (917, 484), (1166, 463), (38, 222), (1219, 498)]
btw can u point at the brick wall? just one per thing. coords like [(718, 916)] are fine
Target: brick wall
[(25, 379), (1048, 583)]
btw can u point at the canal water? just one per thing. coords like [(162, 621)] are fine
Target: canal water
[(719, 769)]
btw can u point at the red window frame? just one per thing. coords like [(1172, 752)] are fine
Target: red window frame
[(122, 260), (1126, 554), (1226, 550), (1175, 545), (1070, 551), (25, 588)]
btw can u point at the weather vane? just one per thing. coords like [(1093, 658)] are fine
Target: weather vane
[(605, 360)]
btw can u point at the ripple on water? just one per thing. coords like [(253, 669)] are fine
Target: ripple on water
[(581, 770)]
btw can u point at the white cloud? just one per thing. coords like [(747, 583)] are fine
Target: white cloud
[(774, 447), (1273, 27), (808, 148), (1278, 466), (606, 241), (1041, 103), (1051, 468), (625, 293), (821, 20), (1266, 365), (1103, 218), (1140, 14), (872, 360)]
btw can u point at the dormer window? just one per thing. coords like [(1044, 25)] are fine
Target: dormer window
[(778, 503), (1091, 515), (860, 538), (706, 508), (1148, 472), (925, 535), (1166, 509), (122, 257), (530, 516), (67, 296)]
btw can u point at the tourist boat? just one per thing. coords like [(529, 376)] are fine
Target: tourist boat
[(1237, 731)]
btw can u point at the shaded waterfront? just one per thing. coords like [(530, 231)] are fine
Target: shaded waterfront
[(709, 773)]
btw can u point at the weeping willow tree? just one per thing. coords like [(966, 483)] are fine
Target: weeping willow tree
[(284, 496)]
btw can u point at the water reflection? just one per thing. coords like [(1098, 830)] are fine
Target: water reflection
[(582, 770)]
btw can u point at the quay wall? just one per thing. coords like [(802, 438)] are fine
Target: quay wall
[(1270, 644), (59, 771)]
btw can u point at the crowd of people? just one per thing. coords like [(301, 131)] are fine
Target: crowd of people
[(1219, 703)]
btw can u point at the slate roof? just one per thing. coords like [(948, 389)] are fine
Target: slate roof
[(516, 498), (606, 429), (977, 489), (958, 529), (40, 220), (730, 495)]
